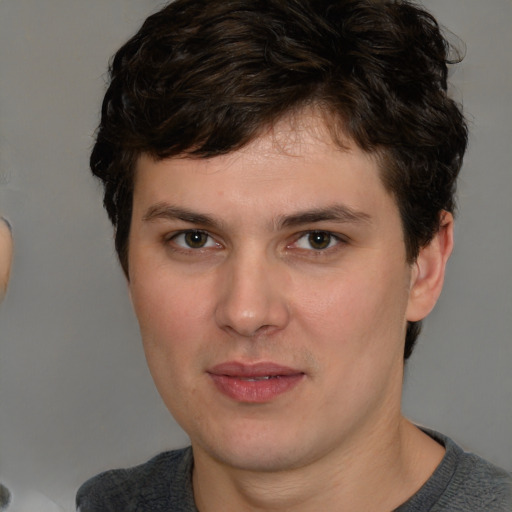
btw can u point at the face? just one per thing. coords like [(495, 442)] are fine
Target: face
[(271, 288)]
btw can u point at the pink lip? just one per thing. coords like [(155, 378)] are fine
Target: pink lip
[(254, 383)]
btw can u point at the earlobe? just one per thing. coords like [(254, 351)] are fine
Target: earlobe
[(428, 271)]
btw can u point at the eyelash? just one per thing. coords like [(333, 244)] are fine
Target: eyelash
[(333, 241), (331, 237), (172, 239)]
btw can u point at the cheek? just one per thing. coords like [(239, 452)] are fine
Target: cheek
[(169, 321), (355, 311), (340, 302), (166, 302), (171, 318)]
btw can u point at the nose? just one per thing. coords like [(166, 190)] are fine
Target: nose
[(252, 297)]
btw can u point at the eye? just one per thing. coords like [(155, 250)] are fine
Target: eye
[(317, 240), (194, 239)]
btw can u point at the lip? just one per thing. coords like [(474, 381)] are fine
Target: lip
[(254, 383)]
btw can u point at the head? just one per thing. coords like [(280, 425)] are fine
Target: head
[(204, 78)]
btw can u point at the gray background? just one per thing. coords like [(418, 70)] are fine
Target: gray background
[(75, 395)]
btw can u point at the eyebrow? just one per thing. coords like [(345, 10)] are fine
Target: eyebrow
[(337, 213), (171, 212)]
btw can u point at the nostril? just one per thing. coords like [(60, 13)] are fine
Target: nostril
[(254, 334)]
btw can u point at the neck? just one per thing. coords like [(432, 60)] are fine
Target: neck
[(380, 471)]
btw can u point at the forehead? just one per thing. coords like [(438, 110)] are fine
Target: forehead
[(296, 163)]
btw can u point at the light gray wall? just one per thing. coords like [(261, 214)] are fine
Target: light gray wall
[(75, 395)]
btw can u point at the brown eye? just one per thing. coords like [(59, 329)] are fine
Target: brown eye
[(195, 239), (319, 240)]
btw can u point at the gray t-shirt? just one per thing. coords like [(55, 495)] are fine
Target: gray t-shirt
[(462, 482)]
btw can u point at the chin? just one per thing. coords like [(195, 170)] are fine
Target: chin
[(258, 459), (259, 451)]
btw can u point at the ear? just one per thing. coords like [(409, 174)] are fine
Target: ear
[(428, 271)]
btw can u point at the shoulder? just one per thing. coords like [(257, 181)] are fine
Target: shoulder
[(162, 483), (475, 484), (479, 485)]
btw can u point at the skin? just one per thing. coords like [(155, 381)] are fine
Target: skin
[(5, 269), (5, 256), (258, 291)]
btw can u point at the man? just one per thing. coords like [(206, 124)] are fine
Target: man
[(281, 178)]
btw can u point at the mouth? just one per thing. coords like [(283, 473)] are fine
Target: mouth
[(256, 379), (254, 383)]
